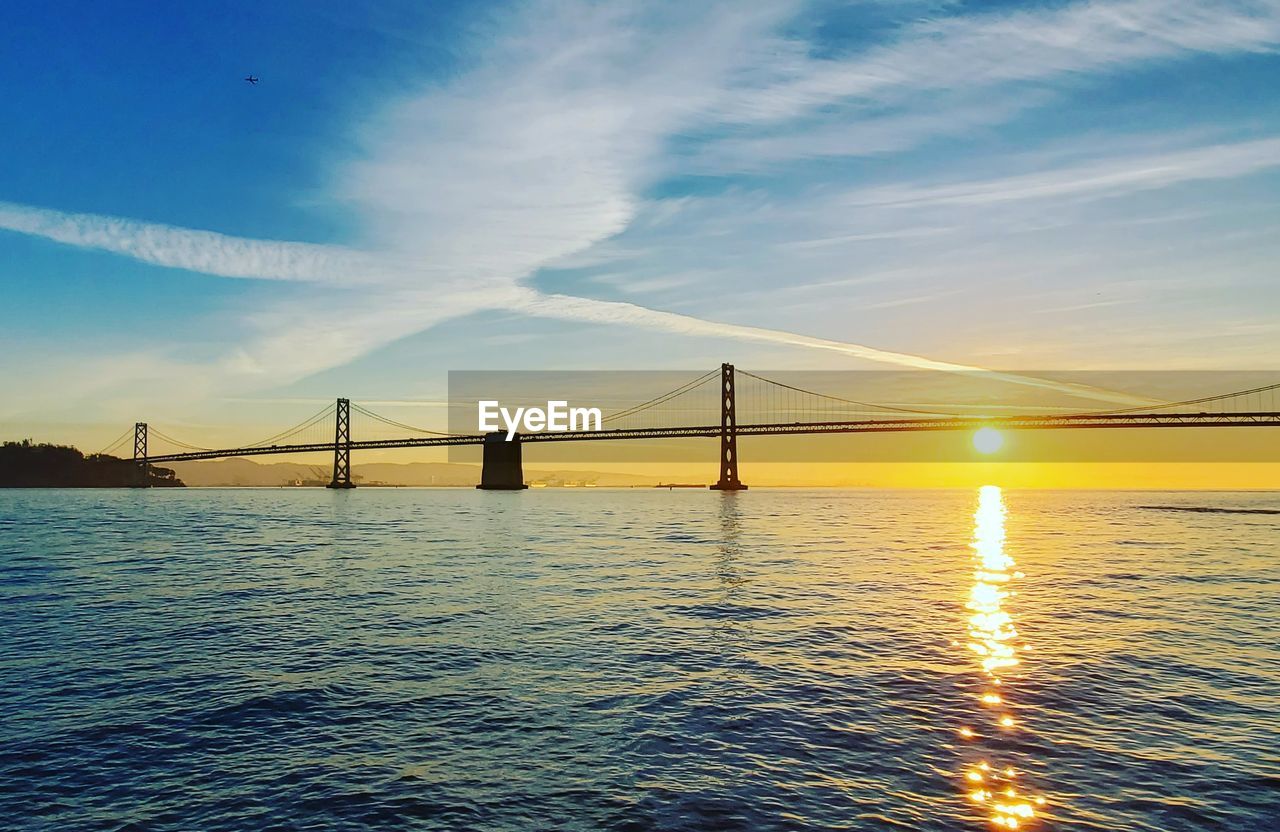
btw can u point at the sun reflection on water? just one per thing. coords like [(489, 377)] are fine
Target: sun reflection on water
[(994, 641)]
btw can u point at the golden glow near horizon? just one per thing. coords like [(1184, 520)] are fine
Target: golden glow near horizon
[(994, 641), (988, 440)]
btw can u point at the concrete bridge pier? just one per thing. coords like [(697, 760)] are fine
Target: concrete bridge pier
[(503, 467)]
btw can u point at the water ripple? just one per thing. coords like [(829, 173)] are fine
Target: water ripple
[(772, 660)]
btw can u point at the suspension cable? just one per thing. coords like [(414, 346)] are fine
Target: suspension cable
[(116, 443), (151, 430), (665, 397), (298, 428), (301, 426), (1264, 389), (847, 401), (401, 425)]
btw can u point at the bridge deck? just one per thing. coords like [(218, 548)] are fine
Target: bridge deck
[(1069, 422)]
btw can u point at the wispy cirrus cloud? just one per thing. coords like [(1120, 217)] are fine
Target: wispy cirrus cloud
[(1092, 180), (376, 316), (949, 76), (596, 311), (1028, 44), (551, 143), (207, 252)]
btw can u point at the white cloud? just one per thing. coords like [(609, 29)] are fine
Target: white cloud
[(611, 312), (853, 135), (323, 329), (952, 76), (200, 251), (969, 51), (542, 152), (1093, 180)]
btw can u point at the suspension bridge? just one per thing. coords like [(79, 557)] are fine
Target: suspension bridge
[(774, 409)]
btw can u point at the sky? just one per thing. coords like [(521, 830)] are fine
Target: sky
[(415, 188)]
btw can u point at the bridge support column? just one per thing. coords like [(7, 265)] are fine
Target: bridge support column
[(728, 435), (141, 467), (342, 446), (503, 465)]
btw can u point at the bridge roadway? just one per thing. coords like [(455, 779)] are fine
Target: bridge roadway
[(1063, 422)]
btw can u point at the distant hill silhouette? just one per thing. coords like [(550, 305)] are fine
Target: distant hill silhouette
[(28, 465), (239, 471)]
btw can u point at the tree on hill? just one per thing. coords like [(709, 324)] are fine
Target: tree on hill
[(29, 465)]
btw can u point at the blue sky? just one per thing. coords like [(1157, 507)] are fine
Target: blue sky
[(414, 188)]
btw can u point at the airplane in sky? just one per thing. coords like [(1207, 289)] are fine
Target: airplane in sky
[(252, 79)]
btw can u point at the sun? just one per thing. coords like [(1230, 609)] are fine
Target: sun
[(987, 440)]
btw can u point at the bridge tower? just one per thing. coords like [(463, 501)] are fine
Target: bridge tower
[(342, 446), (503, 468), (142, 468), (728, 435)]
